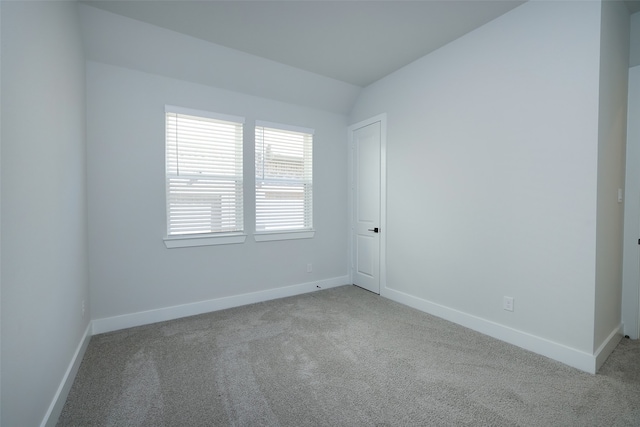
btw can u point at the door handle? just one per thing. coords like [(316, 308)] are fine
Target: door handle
[(375, 230)]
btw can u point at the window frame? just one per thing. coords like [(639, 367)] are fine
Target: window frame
[(283, 234), (213, 237)]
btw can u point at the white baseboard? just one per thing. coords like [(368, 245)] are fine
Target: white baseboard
[(607, 347), (59, 399), (569, 356), (115, 323)]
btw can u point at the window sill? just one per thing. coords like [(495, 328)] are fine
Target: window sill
[(208, 240), (284, 235)]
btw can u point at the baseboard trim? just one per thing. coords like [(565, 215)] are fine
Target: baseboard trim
[(607, 347), (569, 356), (115, 323), (59, 399)]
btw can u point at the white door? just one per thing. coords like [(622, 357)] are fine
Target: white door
[(366, 207)]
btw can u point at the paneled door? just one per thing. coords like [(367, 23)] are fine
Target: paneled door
[(366, 207)]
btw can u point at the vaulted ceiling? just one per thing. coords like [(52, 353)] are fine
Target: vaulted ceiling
[(357, 42)]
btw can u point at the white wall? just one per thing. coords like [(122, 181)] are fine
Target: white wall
[(612, 128), (116, 40), (44, 222), (131, 270), (0, 215), (631, 260), (134, 69), (498, 133), (634, 59), (492, 172)]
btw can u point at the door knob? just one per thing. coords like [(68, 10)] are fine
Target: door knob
[(375, 230)]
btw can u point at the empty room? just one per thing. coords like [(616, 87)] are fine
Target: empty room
[(319, 213)]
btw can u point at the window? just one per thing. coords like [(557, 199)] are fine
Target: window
[(204, 178), (284, 183)]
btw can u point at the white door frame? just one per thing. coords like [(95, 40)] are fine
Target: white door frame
[(382, 118), (631, 248)]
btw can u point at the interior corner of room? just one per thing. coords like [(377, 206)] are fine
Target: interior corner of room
[(507, 195)]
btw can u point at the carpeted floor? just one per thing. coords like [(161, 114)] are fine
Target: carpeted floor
[(339, 357)]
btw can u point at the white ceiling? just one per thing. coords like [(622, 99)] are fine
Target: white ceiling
[(357, 42), (354, 41)]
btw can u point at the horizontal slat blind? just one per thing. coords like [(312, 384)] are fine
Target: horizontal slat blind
[(203, 173), (284, 179)]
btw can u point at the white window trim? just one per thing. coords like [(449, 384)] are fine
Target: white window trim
[(204, 240), (291, 234), (283, 235), (208, 239), (202, 113), (214, 239), (262, 123)]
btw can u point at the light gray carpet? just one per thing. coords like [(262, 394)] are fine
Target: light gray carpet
[(340, 357)]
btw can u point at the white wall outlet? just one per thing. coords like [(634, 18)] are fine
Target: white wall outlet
[(83, 308), (619, 195), (309, 268), (507, 303)]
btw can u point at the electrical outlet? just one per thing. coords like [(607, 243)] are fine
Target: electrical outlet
[(507, 303), (83, 308), (309, 268)]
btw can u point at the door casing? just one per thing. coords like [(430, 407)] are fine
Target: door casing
[(631, 244), (382, 118)]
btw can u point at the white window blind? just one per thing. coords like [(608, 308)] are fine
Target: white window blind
[(203, 172), (284, 178)]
